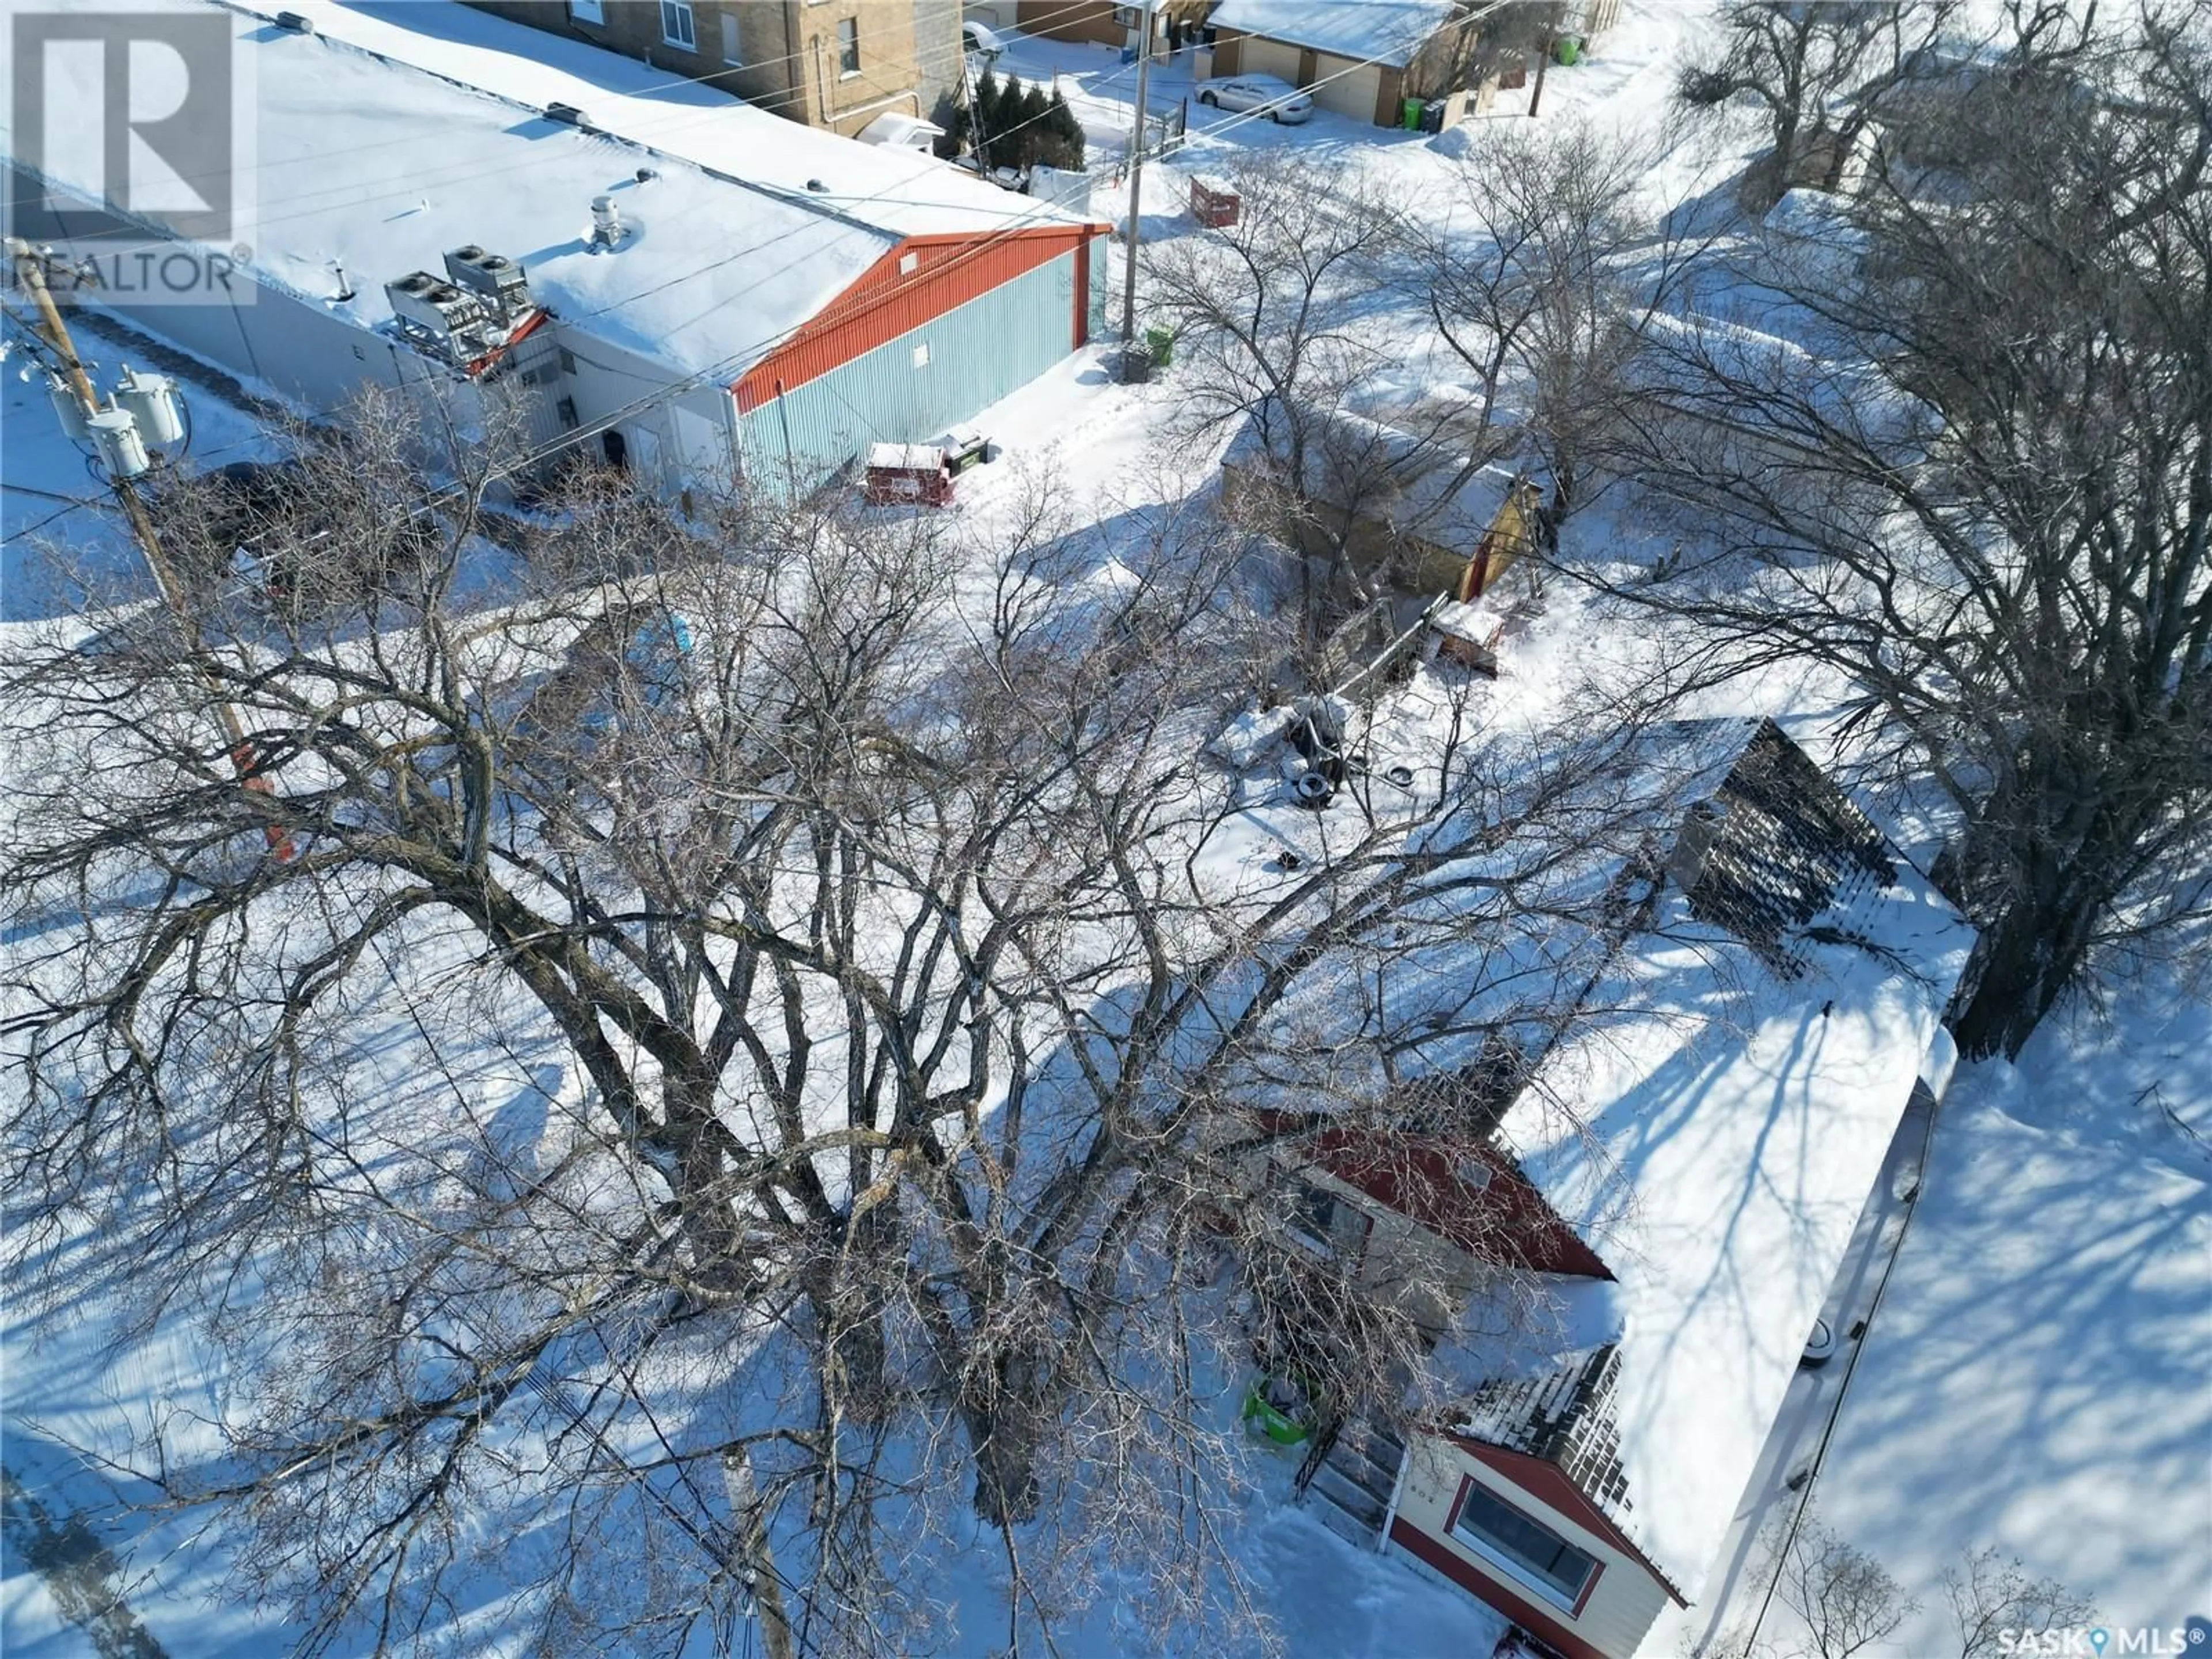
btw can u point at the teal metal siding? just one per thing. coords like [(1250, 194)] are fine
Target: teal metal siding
[(1094, 323), (978, 353)]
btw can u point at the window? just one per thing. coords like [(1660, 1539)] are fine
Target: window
[(676, 25), (908, 264), (922, 356), (587, 12), (1531, 1552), (1129, 17), (1325, 1224), (848, 46), (731, 51)]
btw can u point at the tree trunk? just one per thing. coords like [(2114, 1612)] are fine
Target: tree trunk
[(2050, 890), (1008, 1428), (756, 1560), (1006, 1486), (851, 1299), (2028, 959)]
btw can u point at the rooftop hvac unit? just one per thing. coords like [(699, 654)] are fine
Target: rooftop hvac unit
[(500, 282), (441, 318), (432, 303)]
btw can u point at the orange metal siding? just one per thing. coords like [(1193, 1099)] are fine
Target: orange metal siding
[(885, 302), (1082, 286)]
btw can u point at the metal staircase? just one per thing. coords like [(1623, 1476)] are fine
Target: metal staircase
[(1348, 1477)]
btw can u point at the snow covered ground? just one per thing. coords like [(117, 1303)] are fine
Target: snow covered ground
[(2035, 1380)]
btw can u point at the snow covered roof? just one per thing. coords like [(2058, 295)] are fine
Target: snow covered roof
[(1380, 31), (906, 457), (898, 194), (1750, 1025), (391, 136), (1716, 1141), (1418, 485)]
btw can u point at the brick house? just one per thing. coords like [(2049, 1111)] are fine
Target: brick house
[(830, 63)]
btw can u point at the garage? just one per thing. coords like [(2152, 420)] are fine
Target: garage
[(1257, 55), (1357, 58), (1347, 87)]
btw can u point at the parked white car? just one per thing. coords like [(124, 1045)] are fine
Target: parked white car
[(980, 41), (1279, 99)]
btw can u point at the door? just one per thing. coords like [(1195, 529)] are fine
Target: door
[(1264, 57), (701, 460), (1348, 89)]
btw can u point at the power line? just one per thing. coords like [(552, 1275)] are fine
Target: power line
[(74, 506)]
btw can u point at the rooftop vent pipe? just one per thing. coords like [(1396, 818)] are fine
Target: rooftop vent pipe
[(607, 223)]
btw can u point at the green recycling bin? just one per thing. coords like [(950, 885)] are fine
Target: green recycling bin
[(1160, 343), (1568, 50), (1269, 1421), (1409, 114)]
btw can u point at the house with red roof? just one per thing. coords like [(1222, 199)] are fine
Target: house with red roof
[(1617, 1232)]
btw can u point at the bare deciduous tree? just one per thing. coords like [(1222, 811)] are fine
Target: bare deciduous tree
[(1847, 1599), (1538, 276), (1820, 70), (1274, 324), (1989, 1594), (698, 1091), (1983, 490)]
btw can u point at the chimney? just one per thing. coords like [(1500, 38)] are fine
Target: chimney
[(1687, 863)]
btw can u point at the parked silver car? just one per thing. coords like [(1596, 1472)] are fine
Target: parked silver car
[(1279, 99)]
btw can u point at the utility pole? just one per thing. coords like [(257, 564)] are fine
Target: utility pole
[(1136, 177), (31, 275), (1543, 63)]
